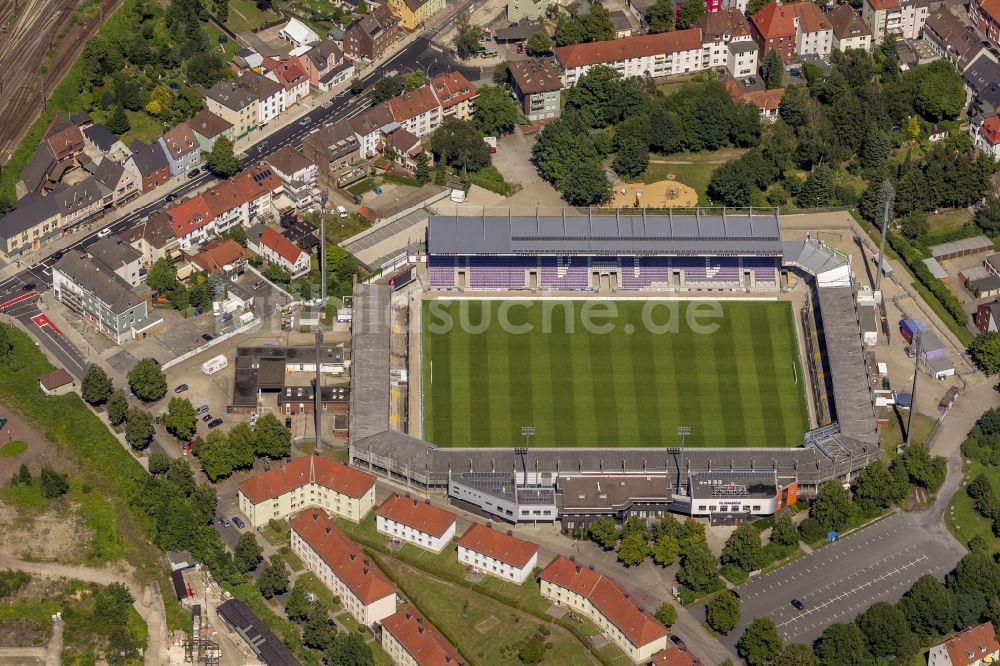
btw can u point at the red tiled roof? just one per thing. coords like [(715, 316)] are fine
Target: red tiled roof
[(217, 254), (412, 104), (419, 515), (55, 379), (638, 626), (68, 137), (420, 639), (768, 100), (503, 547), (244, 188), (673, 656), (289, 73), (327, 473), (970, 646), (285, 248), (883, 5), (189, 215), (627, 48), (343, 556), (774, 21), (990, 130), (453, 88), (991, 8)]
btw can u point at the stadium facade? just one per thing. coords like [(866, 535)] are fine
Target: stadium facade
[(611, 253)]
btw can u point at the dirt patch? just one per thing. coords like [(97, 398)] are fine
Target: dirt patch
[(487, 624), (55, 536), (39, 449), (661, 194)]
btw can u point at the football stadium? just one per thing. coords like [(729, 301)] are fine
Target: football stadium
[(674, 355)]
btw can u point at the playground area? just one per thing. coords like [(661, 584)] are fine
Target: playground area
[(661, 194)]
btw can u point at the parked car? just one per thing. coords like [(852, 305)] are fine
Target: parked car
[(798, 604), (238, 522), (288, 422), (206, 418), (227, 522), (170, 197), (104, 233), (203, 409), (28, 286), (193, 173), (676, 640), (181, 388), (206, 337), (155, 362), (220, 520), (58, 254), (214, 423)]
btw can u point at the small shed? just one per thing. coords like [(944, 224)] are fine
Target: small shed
[(57, 382), (909, 327), (948, 401), (962, 247), (936, 269), (940, 367), (180, 560)]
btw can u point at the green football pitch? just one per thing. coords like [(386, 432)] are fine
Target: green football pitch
[(741, 385)]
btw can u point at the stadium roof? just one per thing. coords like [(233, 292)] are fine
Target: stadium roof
[(640, 233), (370, 333)]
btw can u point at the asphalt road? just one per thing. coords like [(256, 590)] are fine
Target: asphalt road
[(842, 579), (421, 53)]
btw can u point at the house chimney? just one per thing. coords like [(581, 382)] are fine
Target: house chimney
[(420, 628), (572, 558), (590, 566), (328, 529), (365, 572), (416, 502), (578, 568), (353, 555), (315, 515), (489, 524), (447, 659), (408, 614), (510, 533), (366, 561), (628, 594), (427, 501)]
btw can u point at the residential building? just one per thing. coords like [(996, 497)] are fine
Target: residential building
[(208, 127), (222, 256), (190, 221), (310, 481), (982, 83), (297, 175), (496, 553), (298, 33), (332, 147), (122, 183), (235, 105), (537, 88), (741, 5), (81, 201), (292, 78), (342, 566), (101, 139), (741, 59), (412, 14), (31, 226), (260, 640), (986, 15), (244, 199), (410, 640), (35, 174), (975, 646), (406, 147), (674, 655), (663, 54), (849, 31), (417, 111), (57, 382), (719, 30), (415, 521), (952, 39), (149, 165), (604, 601), (320, 60), (371, 35), (526, 10), (182, 149), (268, 93), (368, 128), (120, 258), (64, 138), (767, 101), (154, 238), (455, 95), (987, 317), (902, 18), (102, 298), (986, 136), (271, 246), (793, 30)]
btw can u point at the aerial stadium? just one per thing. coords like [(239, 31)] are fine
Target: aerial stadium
[(697, 361)]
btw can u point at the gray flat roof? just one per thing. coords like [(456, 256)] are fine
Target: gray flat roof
[(752, 485), (701, 233), (613, 492), (936, 269), (976, 243), (370, 334)]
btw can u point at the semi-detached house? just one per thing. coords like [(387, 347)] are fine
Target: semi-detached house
[(721, 29), (208, 128), (663, 54), (268, 94), (290, 75), (496, 553), (271, 246), (418, 522), (793, 30)]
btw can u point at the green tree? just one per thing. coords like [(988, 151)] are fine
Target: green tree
[(54, 484), (297, 605), (23, 476), (754, 6), (985, 349), (221, 10), (886, 632), (723, 612), (923, 469), (181, 476), (423, 170), (206, 69), (277, 273), (874, 488), (796, 654), (215, 456), (875, 148), (817, 190), (665, 549), (181, 420), (237, 233), (467, 36), (138, 428), (633, 549), (597, 24), (533, 651), (274, 440), (415, 79), (117, 407), (96, 385), (319, 633), (632, 158), (784, 533), (666, 614), (699, 569), (386, 88), (760, 643), (147, 380), (841, 644), (568, 31), (660, 16), (496, 111), (832, 507), (460, 145), (247, 553), (587, 185), (159, 462), (162, 275), (940, 93), (242, 445), (604, 532), (988, 215), (743, 548), (273, 578), (690, 12), (118, 121), (222, 160), (772, 69), (538, 44), (350, 650), (929, 607)]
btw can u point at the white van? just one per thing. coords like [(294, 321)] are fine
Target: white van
[(341, 211), (104, 233)]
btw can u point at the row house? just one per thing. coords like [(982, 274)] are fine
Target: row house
[(410, 640), (190, 221), (182, 149), (236, 105), (122, 183), (154, 238), (81, 201), (121, 258), (537, 88), (368, 128), (308, 482), (343, 567), (405, 518), (291, 77), (370, 36), (663, 54), (986, 15), (243, 199), (297, 175), (325, 66), (208, 128), (332, 147), (902, 18), (417, 111), (982, 85), (412, 14), (99, 138), (793, 30), (604, 601), (719, 31), (499, 554), (951, 39), (455, 94), (149, 165), (268, 94), (849, 30), (268, 243), (32, 225)]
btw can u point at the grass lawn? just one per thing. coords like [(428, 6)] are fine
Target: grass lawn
[(360, 187), (293, 561), (631, 386), (962, 518), (692, 169), (948, 220), (277, 537), (231, 46), (244, 15), (892, 435), (13, 449)]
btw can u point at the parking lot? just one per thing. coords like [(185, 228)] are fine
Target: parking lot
[(842, 579)]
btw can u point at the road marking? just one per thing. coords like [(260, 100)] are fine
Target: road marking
[(42, 320), (19, 299)]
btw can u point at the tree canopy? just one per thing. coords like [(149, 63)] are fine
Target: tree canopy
[(96, 386), (147, 381), (460, 145), (496, 111), (723, 612), (222, 160), (760, 643)]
